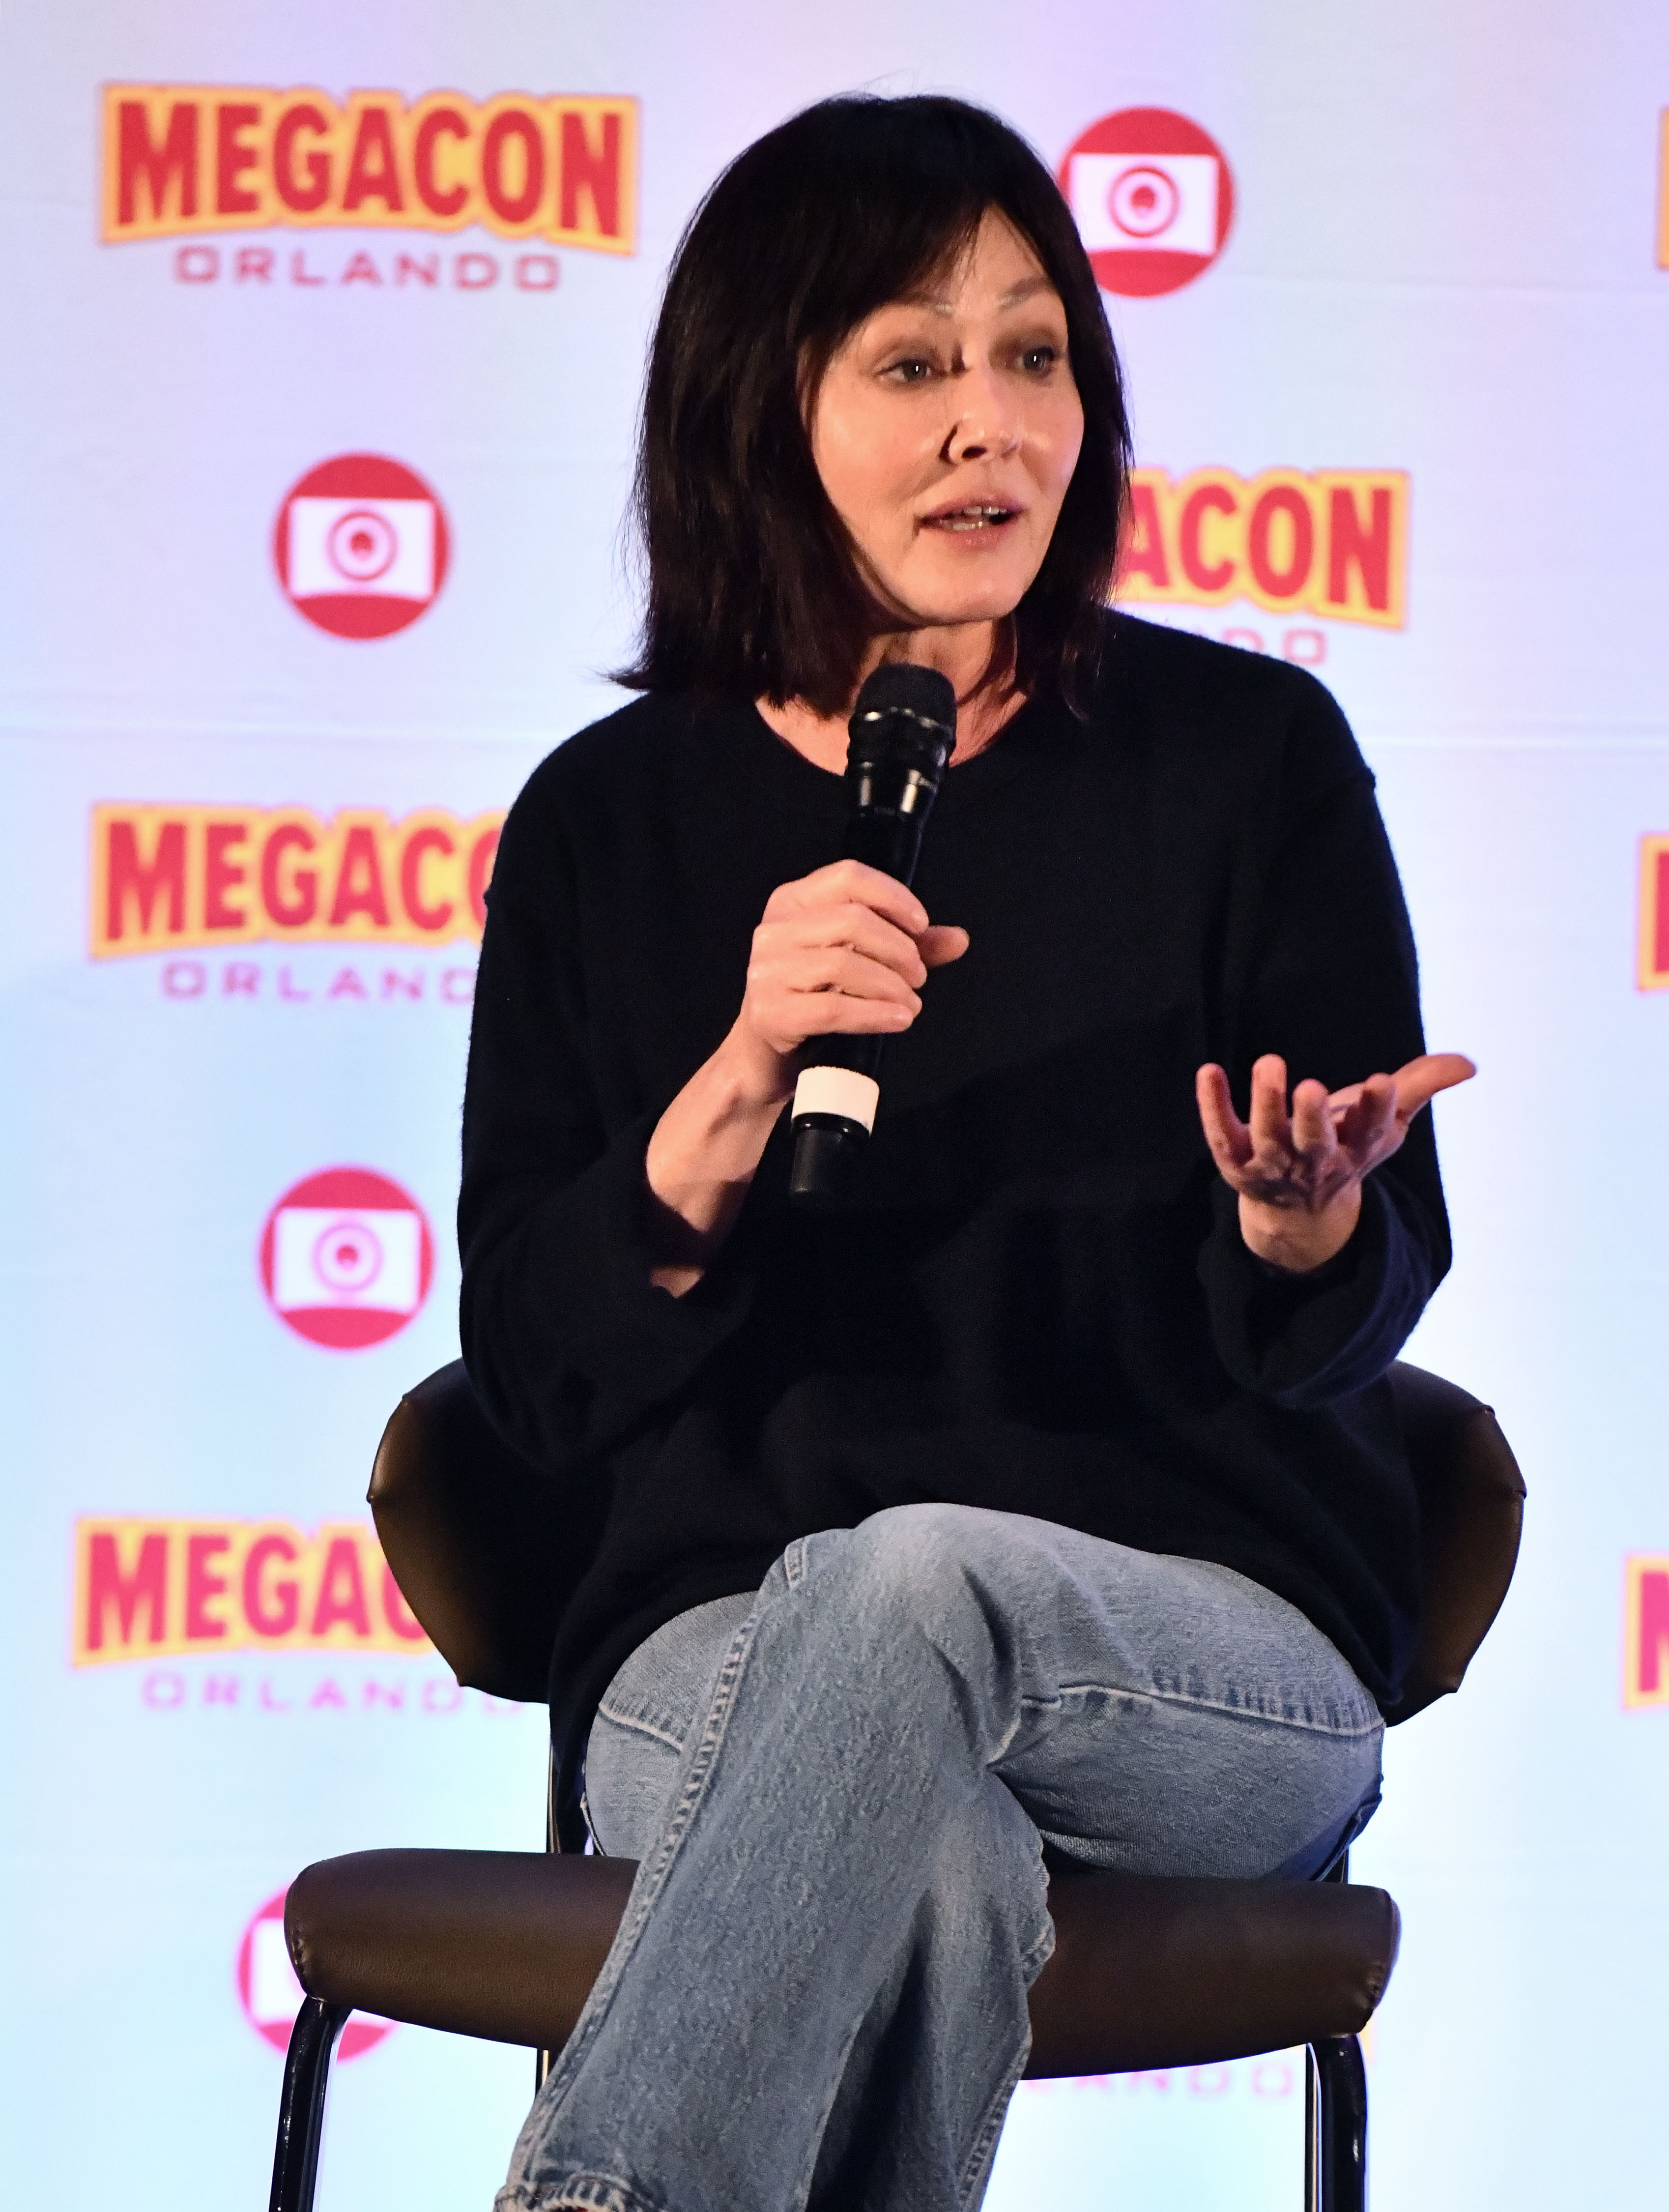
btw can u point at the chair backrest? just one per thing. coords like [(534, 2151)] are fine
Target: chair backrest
[(1472, 1511), (487, 1551)]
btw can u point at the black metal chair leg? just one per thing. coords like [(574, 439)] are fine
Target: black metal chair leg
[(301, 2110), (1336, 2132)]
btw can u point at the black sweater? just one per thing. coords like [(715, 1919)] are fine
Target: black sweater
[(1038, 1298)]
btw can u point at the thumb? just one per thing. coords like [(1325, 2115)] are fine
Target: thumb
[(1420, 1080), (942, 944)]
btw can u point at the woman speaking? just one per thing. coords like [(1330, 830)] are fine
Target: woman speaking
[(1041, 1502)]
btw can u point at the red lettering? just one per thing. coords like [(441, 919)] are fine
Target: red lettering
[(438, 123), (298, 909), (393, 983), (1365, 547), (371, 173), (1280, 583), (221, 1690), (301, 198), (362, 269), (1209, 498), (360, 885), (513, 123), (255, 264), (482, 854), (430, 839), (240, 979), (127, 877), (221, 875), (342, 1591), (596, 174), (1143, 552), (374, 1694), (1653, 1631), (107, 1586), (271, 1604), (233, 156), (202, 1585), (409, 269), (174, 163), (327, 1694)]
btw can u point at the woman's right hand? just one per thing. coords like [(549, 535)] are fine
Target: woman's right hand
[(844, 949)]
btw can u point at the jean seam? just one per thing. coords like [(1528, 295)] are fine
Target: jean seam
[(651, 1876), (1241, 1711), (642, 1727), (584, 2190)]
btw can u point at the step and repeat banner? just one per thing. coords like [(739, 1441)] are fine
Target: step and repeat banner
[(323, 345)]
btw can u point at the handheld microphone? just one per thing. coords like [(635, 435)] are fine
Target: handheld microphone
[(903, 731)]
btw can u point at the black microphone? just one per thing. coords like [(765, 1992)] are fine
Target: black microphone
[(903, 732)]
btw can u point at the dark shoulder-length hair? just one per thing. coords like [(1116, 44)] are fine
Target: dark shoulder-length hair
[(754, 588)]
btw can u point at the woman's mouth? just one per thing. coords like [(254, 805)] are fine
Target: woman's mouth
[(976, 515)]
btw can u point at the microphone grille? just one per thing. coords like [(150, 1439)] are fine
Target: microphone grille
[(905, 687)]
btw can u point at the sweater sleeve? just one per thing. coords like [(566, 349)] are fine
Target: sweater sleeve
[(567, 1342), (1332, 986)]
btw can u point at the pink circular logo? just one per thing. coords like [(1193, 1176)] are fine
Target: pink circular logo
[(360, 545), (347, 1258), (1152, 197), (270, 1995)]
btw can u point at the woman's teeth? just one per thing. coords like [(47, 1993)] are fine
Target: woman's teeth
[(972, 518)]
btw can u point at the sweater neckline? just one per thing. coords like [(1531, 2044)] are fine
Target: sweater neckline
[(969, 783)]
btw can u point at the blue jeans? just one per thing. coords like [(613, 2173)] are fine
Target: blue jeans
[(840, 1791)]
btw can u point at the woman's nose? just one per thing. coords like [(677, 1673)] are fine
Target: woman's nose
[(986, 422)]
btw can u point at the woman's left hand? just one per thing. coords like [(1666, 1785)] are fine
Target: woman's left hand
[(1299, 1173)]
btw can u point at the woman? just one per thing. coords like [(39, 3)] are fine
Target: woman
[(1045, 1497)]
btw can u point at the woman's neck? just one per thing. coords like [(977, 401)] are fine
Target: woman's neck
[(966, 653)]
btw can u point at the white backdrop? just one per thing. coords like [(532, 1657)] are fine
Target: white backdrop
[(1444, 265)]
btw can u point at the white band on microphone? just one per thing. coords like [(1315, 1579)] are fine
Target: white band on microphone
[(838, 1091)]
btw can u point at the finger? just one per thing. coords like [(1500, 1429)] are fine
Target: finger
[(1314, 1136), (1268, 1121), (816, 929), (942, 944), (1368, 1128), (846, 883), (1418, 1083), (819, 969), (1228, 1136)]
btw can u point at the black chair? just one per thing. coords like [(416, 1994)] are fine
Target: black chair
[(1146, 1973)]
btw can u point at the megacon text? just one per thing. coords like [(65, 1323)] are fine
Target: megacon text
[(150, 1589), (168, 878), (1334, 543), (180, 159)]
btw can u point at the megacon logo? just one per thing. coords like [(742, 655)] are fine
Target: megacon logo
[(1153, 199), (1332, 543), (181, 159), (360, 546), (347, 1258), (271, 1995), (170, 879), (1646, 1629), (155, 1589)]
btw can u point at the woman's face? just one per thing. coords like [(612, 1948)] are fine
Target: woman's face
[(946, 430)]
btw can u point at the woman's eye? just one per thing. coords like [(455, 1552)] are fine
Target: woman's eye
[(911, 372), (1039, 359)]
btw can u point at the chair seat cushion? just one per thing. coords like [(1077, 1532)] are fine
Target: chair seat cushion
[(1146, 1972)]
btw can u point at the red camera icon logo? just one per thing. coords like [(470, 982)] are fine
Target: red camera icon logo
[(1153, 199), (347, 1258), (362, 546)]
